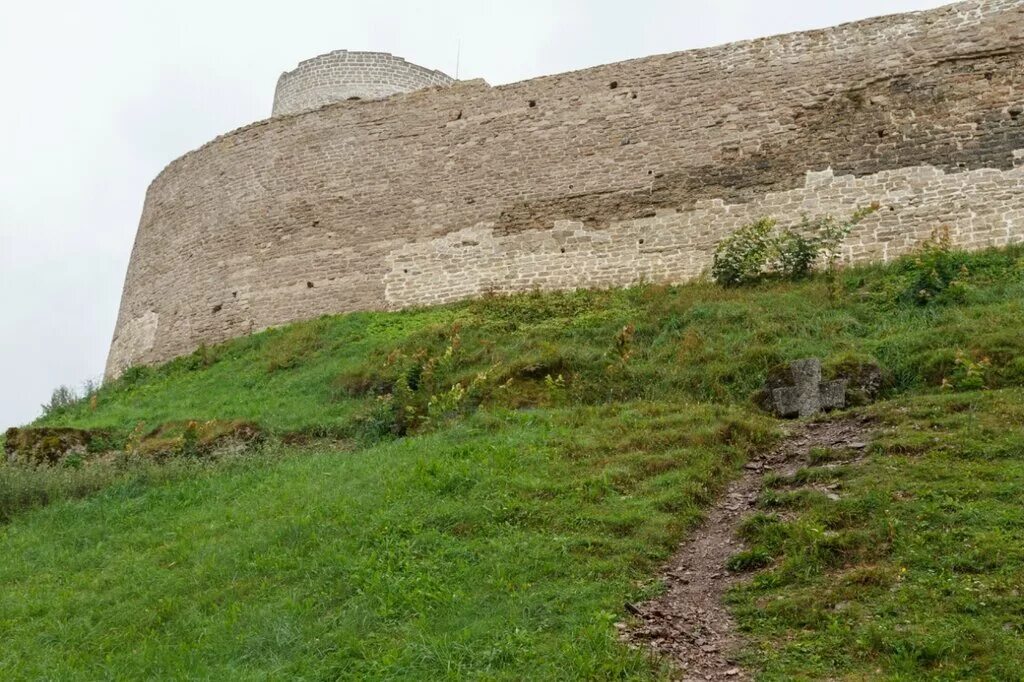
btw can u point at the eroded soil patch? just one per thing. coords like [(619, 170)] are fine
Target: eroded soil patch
[(689, 623)]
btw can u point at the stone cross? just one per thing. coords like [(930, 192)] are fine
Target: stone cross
[(809, 394)]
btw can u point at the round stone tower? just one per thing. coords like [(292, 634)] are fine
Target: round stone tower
[(343, 75)]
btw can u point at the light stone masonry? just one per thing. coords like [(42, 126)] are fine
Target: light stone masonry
[(977, 209), (343, 75), (609, 176)]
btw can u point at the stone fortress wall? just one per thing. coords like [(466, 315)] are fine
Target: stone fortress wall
[(342, 75), (607, 176)]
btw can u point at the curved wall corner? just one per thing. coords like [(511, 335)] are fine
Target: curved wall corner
[(602, 177), (343, 75)]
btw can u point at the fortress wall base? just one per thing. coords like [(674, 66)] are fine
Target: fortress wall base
[(979, 209)]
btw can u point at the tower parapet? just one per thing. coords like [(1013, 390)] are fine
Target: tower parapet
[(343, 75)]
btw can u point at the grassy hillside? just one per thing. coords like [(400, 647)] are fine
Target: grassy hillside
[(916, 571), (503, 545), (476, 490), (695, 342)]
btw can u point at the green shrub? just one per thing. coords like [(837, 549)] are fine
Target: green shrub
[(939, 272), (744, 256), (200, 358), (135, 376), (797, 253), (967, 374), (66, 398), (62, 397), (761, 249), (417, 389)]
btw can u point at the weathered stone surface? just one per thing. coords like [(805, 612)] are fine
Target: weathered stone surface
[(446, 193), (864, 380), (52, 445), (832, 395), (343, 75), (798, 391), (44, 445)]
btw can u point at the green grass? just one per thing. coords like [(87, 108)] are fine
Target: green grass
[(917, 571), (504, 545), (500, 536), (694, 342)]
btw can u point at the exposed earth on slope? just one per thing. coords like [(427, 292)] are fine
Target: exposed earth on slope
[(689, 624)]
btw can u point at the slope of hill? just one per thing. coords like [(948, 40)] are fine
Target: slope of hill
[(477, 490)]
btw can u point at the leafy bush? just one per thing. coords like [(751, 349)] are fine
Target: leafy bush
[(415, 390), (939, 272), (967, 374), (796, 254), (624, 342), (743, 256), (761, 248), (62, 397)]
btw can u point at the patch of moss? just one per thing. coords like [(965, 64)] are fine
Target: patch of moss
[(197, 438), (49, 445)]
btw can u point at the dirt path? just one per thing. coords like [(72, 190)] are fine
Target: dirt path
[(689, 623)]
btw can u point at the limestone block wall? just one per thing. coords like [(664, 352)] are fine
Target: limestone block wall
[(977, 209), (343, 75), (610, 175)]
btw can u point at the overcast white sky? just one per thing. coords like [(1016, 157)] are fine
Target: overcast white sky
[(97, 97)]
